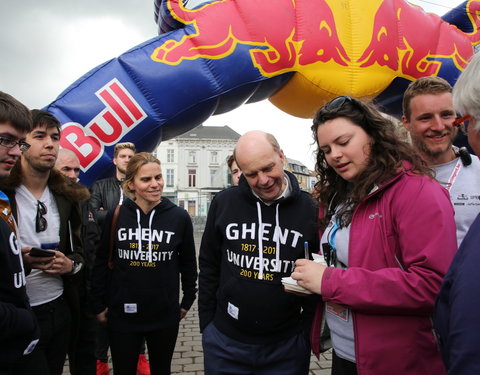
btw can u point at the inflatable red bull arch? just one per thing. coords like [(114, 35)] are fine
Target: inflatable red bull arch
[(221, 54)]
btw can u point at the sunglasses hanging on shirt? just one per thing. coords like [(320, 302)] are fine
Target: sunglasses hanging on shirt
[(40, 221)]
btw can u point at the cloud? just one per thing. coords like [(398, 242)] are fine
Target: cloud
[(50, 44)]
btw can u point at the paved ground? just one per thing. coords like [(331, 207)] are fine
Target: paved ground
[(188, 356)]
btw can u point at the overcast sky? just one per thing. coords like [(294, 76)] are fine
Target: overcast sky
[(46, 45)]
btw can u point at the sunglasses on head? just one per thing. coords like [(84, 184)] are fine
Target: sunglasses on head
[(40, 221), (338, 103)]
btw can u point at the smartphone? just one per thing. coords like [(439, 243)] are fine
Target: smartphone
[(36, 252)]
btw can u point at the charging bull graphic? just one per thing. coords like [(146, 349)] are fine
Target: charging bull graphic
[(222, 54), (277, 42)]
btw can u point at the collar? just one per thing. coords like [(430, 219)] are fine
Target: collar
[(285, 194)]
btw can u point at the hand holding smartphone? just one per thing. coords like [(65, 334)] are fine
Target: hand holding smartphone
[(42, 253)]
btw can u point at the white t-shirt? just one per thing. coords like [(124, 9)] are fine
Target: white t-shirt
[(464, 189), (338, 317), (41, 287)]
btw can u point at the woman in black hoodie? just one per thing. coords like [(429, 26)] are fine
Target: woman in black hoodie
[(135, 287)]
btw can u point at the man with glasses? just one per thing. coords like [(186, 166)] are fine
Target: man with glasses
[(430, 118), (47, 210), (18, 326)]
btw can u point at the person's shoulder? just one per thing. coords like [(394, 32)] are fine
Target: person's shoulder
[(61, 185), (228, 193), (475, 162), (408, 184), (103, 182)]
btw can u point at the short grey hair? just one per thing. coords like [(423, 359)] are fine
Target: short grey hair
[(466, 91)]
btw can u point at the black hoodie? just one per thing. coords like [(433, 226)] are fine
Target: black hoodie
[(240, 287), (142, 290), (18, 325)]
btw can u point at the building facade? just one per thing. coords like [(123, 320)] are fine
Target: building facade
[(194, 166), (306, 178)]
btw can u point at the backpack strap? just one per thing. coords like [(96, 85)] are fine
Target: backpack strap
[(112, 235)]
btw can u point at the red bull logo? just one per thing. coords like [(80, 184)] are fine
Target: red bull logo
[(121, 114), (339, 47)]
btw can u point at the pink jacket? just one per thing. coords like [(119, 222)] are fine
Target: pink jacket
[(402, 240)]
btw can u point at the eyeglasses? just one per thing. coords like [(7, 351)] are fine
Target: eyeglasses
[(10, 143), (338, 103), (459, 121), (40, 221)]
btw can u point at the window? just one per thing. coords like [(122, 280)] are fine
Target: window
[(192, 177), (214, 157), (192, 157), (170, 155), (213, 173), (170, 177), (191, 208)]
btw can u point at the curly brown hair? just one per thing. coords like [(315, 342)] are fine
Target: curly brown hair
[(385, 159)]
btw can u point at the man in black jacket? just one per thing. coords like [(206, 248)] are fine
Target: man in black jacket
[(107, 193), (19, 331), (254, 233), (81, 354)]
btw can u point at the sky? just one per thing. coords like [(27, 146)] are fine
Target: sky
[(47, 45)]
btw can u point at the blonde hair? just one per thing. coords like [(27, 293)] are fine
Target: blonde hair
[(136, 162), (122, 146)]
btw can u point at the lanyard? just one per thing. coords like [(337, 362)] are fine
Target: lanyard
[(454, 175), (332, 234)]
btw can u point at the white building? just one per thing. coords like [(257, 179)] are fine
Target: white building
[(194, 166)]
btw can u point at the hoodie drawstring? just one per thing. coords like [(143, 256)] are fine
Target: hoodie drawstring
[(139, 228), (150, 237), (277, 239), (260, 240)]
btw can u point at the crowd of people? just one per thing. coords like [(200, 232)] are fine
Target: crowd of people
[(394, 219)]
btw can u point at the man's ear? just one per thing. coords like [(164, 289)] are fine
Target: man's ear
[(406, 123)]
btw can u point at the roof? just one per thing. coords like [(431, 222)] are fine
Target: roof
[(293, 161), (211, 132)]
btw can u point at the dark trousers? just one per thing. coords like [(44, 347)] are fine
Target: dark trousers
[(102, 343), (342, 366), (81, 356), (48, 357), (101, 347), (125, 348), (225, 356)]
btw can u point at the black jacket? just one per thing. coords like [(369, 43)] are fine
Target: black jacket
[(68, 197), (142, 290), (18, 325), (242, 305), (105, 195)]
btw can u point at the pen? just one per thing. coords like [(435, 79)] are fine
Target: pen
[(307, 253)]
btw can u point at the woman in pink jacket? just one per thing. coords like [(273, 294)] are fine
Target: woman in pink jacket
[(387, 235)]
